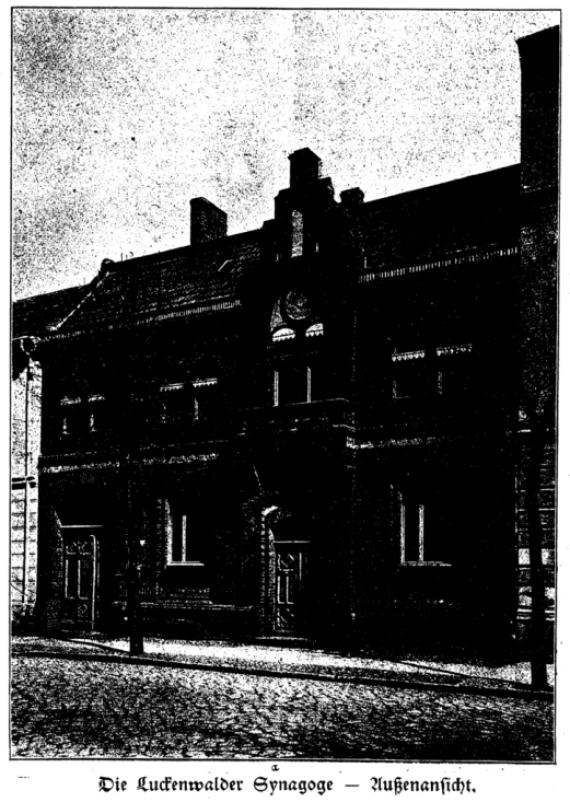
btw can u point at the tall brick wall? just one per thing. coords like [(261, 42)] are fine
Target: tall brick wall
[(547, 510), (538, 301)]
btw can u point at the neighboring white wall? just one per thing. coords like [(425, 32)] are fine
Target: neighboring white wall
[(26, 418)]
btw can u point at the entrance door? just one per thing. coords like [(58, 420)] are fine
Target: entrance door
[(80, 575), (291, 563)]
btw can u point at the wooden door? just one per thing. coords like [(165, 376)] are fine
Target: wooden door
[(291, 573), (80, 576)]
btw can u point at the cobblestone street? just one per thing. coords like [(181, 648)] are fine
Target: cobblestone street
[(64, 708)]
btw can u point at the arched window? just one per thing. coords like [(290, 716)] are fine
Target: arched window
[(287, 329), (315, 330), (284, 333), (297, 358), (277, 320), (296, 233)]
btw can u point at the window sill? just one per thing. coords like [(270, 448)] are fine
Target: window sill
[(189, 564), (425, 564)]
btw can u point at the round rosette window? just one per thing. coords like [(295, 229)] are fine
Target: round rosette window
[(296, 306)]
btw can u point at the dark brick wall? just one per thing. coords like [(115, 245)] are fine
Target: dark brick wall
[(548, 512), (387, 280), (540, 75)]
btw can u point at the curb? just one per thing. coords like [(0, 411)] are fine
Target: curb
[(472, 690)]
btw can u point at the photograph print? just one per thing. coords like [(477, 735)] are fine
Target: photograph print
[(284, 384)]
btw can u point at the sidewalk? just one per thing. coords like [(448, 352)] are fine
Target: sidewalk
[(316, 664)]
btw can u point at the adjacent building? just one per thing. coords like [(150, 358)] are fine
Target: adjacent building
[(31, 318)]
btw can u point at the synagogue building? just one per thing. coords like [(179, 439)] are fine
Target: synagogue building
[(316, 431)]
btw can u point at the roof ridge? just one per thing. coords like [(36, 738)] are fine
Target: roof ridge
[(184, 250), (430, 187)]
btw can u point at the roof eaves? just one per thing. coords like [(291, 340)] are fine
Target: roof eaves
[(33, 315), (95, 284)]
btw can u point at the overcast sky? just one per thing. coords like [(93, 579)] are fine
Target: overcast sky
[(121, 116)]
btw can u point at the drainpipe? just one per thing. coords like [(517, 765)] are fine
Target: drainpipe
[(94, 570)]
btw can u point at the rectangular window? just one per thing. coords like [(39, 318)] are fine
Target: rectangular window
[(206, 400), (320, 377), (96, 407), (292, 384), (412, 532), (182, 540), (423, 531), (454, 370), (143, 410), (173, 403), (409, 383), (409, 379), (318, 390), (70, 415), (454, 381)]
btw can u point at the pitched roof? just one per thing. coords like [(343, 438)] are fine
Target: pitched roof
[(464, 216), (166, 284), (34, 316), (457, 217)]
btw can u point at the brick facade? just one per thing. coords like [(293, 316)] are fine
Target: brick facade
[(310, 430)]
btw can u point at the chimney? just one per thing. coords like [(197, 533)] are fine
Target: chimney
[(351, 198), (305, 167), (207, 222)]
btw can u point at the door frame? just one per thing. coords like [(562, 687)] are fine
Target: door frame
[(293, 543), (94, 532)]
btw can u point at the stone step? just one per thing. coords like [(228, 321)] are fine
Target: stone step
[(284, 640)]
